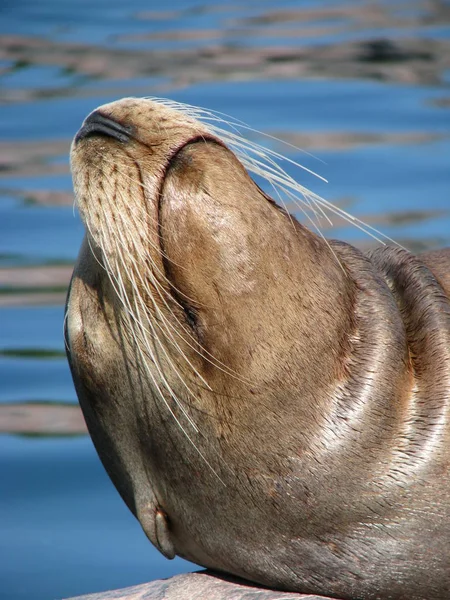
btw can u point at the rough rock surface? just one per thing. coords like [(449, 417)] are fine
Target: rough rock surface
[(197, 586)]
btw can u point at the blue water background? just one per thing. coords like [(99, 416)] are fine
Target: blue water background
[(64, 529)]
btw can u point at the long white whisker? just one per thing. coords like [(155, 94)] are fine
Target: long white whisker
[(130, 317)]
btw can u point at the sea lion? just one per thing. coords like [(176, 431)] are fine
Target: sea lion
[(268, 403)]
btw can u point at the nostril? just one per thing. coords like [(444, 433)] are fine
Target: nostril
[(97, 124)]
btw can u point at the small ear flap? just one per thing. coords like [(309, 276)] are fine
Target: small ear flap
[(155, 524), (165, 543)]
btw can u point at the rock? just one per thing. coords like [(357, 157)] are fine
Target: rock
[(202, 585)]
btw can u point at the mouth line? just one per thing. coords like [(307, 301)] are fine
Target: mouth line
[(190, 311), (194, 140)]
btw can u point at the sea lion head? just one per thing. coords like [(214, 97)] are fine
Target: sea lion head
[(192, 293)]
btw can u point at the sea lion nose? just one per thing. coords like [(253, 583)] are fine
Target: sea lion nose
[(98, 124)]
